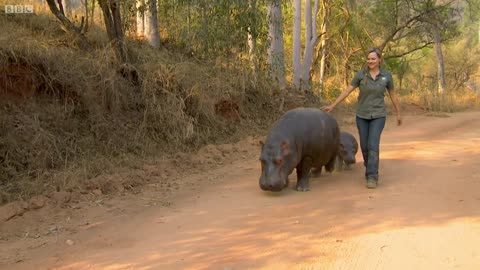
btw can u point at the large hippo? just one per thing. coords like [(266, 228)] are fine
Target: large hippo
[(302, 138), (347, 151)]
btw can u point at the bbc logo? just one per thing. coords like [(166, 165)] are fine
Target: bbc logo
[(18, 9)]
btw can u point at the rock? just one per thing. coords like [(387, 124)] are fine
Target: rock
[(12, 209), (62, 197), (97, 192), (69, 242), (37, 202)]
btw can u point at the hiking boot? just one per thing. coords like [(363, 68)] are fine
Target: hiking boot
[(371, 182)]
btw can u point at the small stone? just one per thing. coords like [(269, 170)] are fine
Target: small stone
[(97, 192), (69, 242), (53, 229), (62, 197), (37, 202)]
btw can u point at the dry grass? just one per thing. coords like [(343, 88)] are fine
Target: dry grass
[(448, 102), (67, 116)]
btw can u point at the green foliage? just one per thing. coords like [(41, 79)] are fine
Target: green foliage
[(210, 28)]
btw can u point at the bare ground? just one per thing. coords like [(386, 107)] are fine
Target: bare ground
[(211, 214)]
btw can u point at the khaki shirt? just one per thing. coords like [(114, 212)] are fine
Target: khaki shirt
[(371, 99)]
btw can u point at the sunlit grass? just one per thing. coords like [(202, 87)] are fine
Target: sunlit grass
[(449, 102)]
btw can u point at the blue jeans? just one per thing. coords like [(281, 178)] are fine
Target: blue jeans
[(369, 131)]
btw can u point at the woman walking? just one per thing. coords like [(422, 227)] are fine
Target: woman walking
[(373, 82)]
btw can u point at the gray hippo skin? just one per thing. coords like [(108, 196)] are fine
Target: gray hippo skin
[(347, 151), (301, 139)]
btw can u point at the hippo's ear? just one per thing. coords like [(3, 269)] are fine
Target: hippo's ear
[(284, 146)]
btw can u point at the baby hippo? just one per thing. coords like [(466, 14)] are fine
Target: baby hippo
[(347, 151)]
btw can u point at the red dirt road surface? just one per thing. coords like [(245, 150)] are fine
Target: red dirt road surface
[(425, 214)]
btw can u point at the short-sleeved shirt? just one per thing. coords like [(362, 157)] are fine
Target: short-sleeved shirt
[(371, 99)]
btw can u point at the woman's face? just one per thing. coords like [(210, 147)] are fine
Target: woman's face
[(373, 61)]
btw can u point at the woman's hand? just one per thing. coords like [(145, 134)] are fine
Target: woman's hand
[(340, 98), (328, 108)]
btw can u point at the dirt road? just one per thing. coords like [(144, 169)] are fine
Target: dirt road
[(425, 214)]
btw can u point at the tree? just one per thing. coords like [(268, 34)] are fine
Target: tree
[(311, 39), (301, 66), (113, 24), (440, 22), (85, 4), (440, 62), (67, 25), (251, 34), (297, 44), (276, 58), (67, 7), (151, 24), (323, 43), (140, 18)]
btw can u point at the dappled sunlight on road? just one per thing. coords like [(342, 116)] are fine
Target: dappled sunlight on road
[(424, 214), (447, 150), (301, 245)]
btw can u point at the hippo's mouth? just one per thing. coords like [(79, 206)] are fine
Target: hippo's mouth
[(274, 187)]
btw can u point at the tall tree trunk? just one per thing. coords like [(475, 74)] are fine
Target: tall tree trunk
[(440, 63), (276, 52), (92, 23), (323, 45), (251, 36), (140, 18), (85, 29), (310, 43), (189, 25), (67, 8), (151, 21), (113, 24), (297, 44)]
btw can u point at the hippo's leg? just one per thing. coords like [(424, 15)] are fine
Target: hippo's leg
[(303, 174), (330, 166), (347, 167), (338, 163)]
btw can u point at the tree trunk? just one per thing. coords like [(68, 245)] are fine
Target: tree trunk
[(113, 24), (151, 21), (140, 18), (310, 43), (297, 44), (251, 36), (67, 8), (276, 52), (92, 23), (323, 45), (85, 29), (441, 69), (66, 24)]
